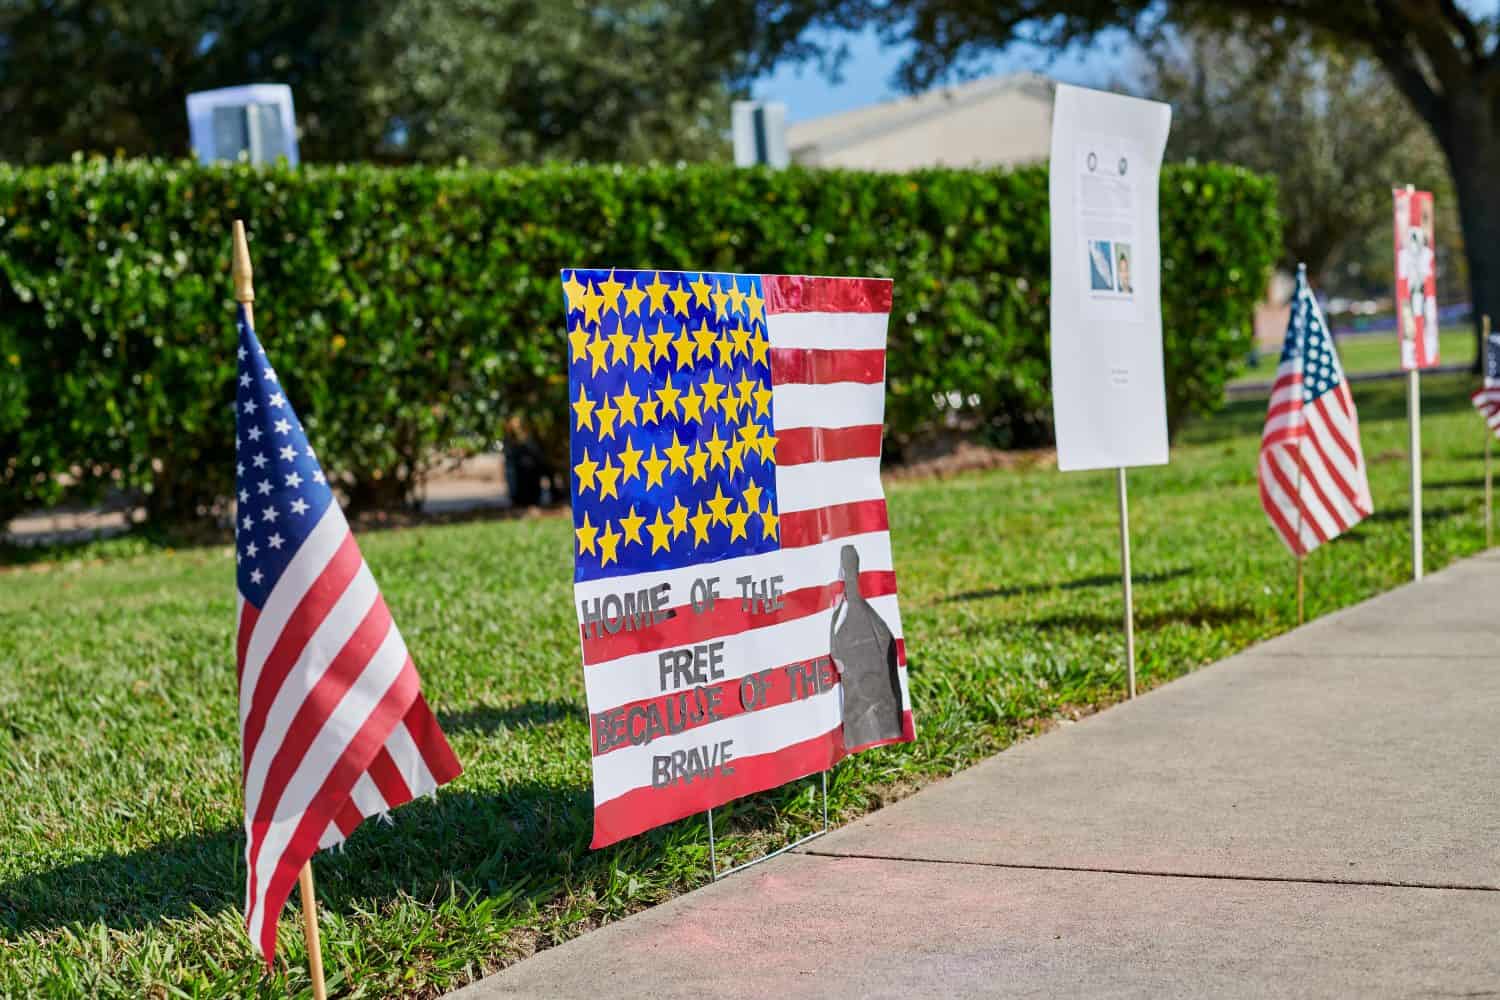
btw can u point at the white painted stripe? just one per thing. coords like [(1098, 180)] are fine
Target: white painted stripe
[(827, 331), (1328, 438), (752, 733), (1282, 501), (804, 566), (347, 719), (1337, 503), (837, 404), (324, 644), (827, 484), (304, 569), (410, 762), (638, 676), (1286, 462)]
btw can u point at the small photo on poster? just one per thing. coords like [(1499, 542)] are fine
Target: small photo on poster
[(1101, 266), (1123, 283)]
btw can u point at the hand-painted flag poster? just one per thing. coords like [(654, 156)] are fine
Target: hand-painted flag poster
[(733, 580), (1416, 279)]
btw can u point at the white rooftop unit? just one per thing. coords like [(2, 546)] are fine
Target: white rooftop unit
[(256, 121)]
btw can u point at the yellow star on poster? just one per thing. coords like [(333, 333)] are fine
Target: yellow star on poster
[(758, 348), (631, 524), (591, 302), (648, 411), (699, 461), (609, 480), (716, 446), (657, 290), (586, 535), (719, 505), (721, 302), (677, 454), (700, 522), (768, 448), (749, 433), (679, 516), (762, 402), (712, 390), (734, 456), (626, 401), (737, 519), (756, 306), (692, 406), (736, 297), (705, 337), (667, 397), (654, 467), (609, 543), (597, 349), (683, 345), (578, 339), (574, 291), (768, 523), (741, 337), (584, 407), (606, 415), (726, 351), (661, 533), (630, 460), (752, 496), (634, 297), (584, 470), (640, 350), (700, 291), (619, 344), (661, 340), (730, 405), (679, 297), (611, 289)]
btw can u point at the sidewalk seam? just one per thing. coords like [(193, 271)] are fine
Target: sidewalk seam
[(1145, 873)]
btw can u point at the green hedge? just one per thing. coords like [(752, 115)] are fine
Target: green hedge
[(416, 312)]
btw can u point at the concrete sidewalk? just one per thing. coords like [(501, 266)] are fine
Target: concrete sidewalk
[(1317, 816)]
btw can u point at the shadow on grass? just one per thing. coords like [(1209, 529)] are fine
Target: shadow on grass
[(1403, 513), (529, 840), (1089, 622), (1082, 583), (488, 719)]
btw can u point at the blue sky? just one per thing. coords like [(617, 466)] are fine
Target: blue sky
[(868, 72)]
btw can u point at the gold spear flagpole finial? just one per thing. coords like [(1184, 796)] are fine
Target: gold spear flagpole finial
[(244, 285)]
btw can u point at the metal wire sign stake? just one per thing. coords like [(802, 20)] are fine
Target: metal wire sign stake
[(713, 855)]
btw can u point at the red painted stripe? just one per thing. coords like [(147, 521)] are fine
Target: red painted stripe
[(1278, 519), (691, 706), (327, 803), (387, 777), (790, 293), (249, 615), (314, 711), (349, 817), (809, 527), (813, 366), (1308, 479), (440, 759), (1350, 455), (1338, 480), (640, 809), (304, 621), (800, 445), (1303, 511), (727, 617)]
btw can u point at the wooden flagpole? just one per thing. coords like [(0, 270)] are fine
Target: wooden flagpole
[(244, 294)]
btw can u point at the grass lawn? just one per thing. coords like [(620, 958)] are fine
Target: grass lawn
[(120, 842), (1376, 352)]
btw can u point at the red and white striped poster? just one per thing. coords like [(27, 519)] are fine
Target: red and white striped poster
[(733, 576), (1416, 279)]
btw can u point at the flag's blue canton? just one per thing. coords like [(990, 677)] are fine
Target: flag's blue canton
[(1308, 335), (278, 483), (673, 445)]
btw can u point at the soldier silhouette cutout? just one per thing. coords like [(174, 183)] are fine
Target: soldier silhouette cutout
[(864, 654)]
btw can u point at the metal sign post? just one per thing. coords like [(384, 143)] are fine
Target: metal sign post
[(713, 854), (1125, 576)]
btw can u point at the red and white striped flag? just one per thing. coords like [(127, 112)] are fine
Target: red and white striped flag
[(333, 725), (1486, 398), (1312, 470), (726, 441)]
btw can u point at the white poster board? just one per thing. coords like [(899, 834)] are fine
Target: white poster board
[(1108, 387)]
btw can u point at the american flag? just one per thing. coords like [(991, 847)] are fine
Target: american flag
[(1487, 397), (1312, 470), (333, 725), (725, 426)]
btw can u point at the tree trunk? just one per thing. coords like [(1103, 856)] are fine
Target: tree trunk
[(1471, 140)]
